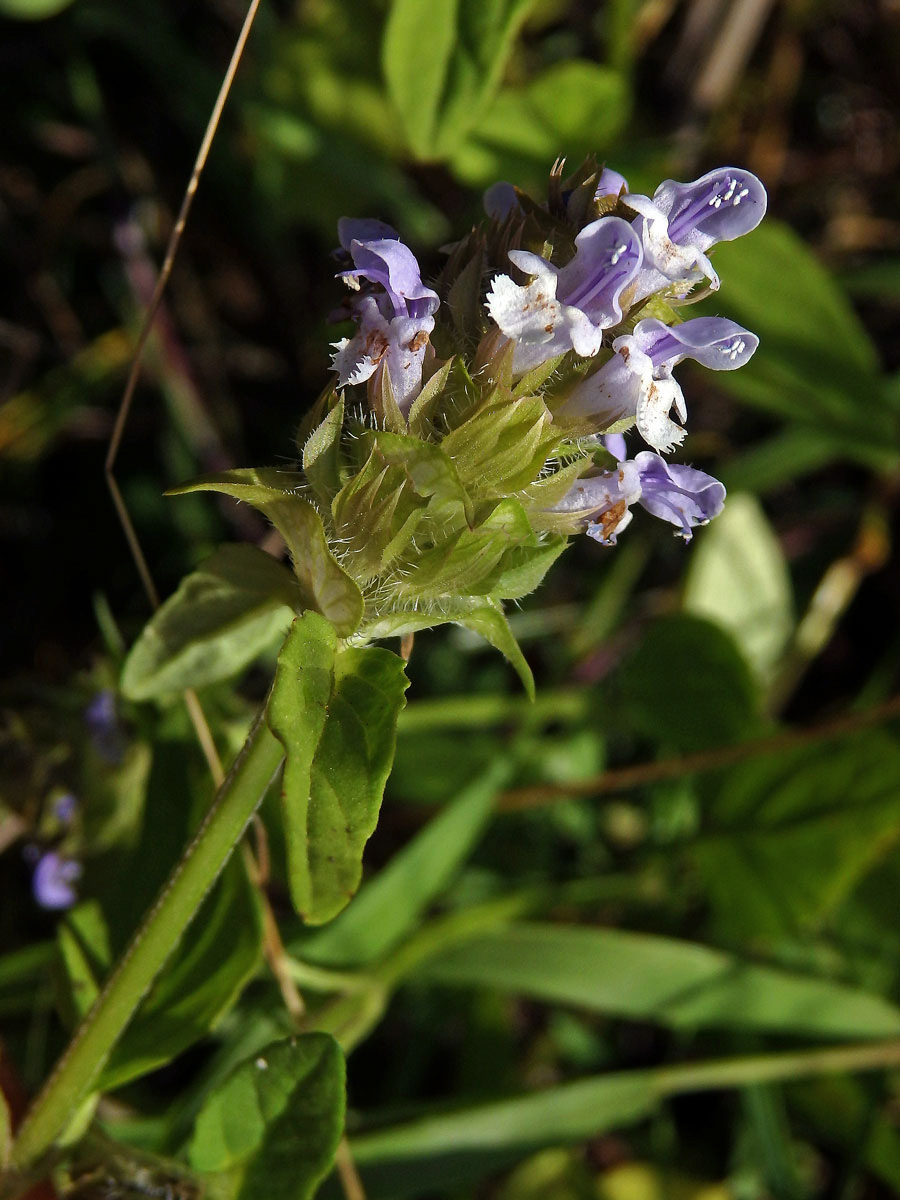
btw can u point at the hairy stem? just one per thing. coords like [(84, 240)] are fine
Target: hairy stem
[(155, 940)]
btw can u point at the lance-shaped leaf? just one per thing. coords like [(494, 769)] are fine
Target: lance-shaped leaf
[(336, 715), (403, 488), (321, 460), (324, 585), (443, 63), (487, 620), (275, 1122), (500, 556), (503, 446), (223, 614)]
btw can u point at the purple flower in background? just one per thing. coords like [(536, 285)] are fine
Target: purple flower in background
[(53, 878), (395, 318), (64, 808), (683, 220), (104, 726), (566, 308), (637, 383), (500, 200)]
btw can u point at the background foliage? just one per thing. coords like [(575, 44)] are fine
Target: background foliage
[(567, 907)]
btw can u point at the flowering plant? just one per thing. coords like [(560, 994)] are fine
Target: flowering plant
[(470, 429)]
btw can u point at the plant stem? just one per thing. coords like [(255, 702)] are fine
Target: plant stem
[(178, 902)]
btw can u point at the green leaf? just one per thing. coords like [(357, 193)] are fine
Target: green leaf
[(457, 1147), (739, 579), (336, 715), (276, 1120), (687, 687), (816, 359), (575, 106), (503, 446), (679, 984), (403, 488), (489, 622), (790, 835), (223, 615), (443, 62), (390, 907), (321, 458), (325, 586), (32, 10)]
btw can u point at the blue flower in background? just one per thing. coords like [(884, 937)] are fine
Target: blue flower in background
[(52, 881), (104, 727)]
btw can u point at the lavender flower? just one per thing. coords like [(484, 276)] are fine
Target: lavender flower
[(566, 308), (637, 382), (610, 183), (683, 496), (53, 878), (104, 727), (395, 318), (500, 200), (604, 501), (683, 220)]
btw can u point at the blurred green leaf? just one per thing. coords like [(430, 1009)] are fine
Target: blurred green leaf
[(391, 905), (816, 362), (738, 578), (843, 1112), (687, 686), (457, 1147), (680, 984), (219, 620), (276, 1120), (442, 64), (23, 975), (572, 107), (791, 834), (336, 715)]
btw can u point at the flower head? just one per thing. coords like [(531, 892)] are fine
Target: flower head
[(683, 220), (637, 381), (567, 308)]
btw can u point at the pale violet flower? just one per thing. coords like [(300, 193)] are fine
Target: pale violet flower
[(683, 220), (395, 315), (637, 382), (683, 496), (566, 308), (610, 183), (500, 200), (53, 879), (604, 501)]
